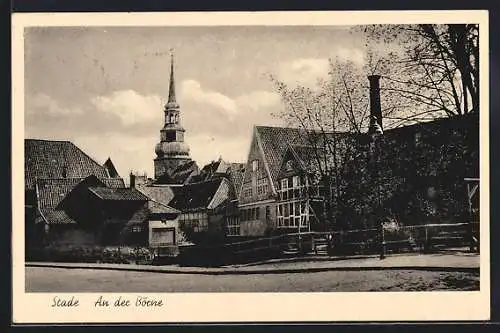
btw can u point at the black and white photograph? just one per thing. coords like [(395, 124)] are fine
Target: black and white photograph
[(259, 158)]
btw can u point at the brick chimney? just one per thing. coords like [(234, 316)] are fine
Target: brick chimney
[(375, 107), (132, 180)]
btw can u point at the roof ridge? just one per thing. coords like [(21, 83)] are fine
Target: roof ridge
[(47, 140)]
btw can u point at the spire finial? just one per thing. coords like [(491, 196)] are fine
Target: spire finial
[(171, 91)]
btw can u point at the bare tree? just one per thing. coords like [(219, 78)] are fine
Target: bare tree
[(428, 71), (331, 115)]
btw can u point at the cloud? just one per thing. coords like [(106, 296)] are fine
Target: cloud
[(205, 148), (354, 55), (258, 100), (192, 90), (130, 106), (304, 71), (307, 71), (204, 111), (127, 152), (125, 125), (44, 105)]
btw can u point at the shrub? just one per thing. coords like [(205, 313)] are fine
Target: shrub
[(92, 254)]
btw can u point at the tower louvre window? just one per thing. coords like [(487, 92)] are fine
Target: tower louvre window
[(171, 136), (255, 165)]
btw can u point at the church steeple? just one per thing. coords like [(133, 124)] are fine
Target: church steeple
[(172, 103), (171, 151)]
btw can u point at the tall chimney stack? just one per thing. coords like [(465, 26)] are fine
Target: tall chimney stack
[(375, 107), (132, 180)]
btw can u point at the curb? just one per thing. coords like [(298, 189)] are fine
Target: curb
[(262, 271)]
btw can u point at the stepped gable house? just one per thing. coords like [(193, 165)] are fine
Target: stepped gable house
[(281, 188)]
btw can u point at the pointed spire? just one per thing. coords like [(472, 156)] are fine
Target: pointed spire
[(171, 92)]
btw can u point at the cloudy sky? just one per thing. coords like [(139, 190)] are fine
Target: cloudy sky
[(104, 88)]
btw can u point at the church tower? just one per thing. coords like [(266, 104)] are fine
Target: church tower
[(171, 151)]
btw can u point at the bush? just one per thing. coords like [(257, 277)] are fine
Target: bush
[(92, 254)]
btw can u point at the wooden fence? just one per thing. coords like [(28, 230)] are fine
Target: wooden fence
[(415, 238)]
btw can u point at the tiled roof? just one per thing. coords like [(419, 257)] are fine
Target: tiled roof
[(195, 195), (127, 194), (113, 182), (55, 217), (275, 142), (57, 159), (309, 156), (179, 175), (110, 168), (236, 175), (234, 172), (158, 208), (51, 192), (162, 194)]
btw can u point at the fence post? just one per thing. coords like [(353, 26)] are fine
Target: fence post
[(426, 244), (382, 238)]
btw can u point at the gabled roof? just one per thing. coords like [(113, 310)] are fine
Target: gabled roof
[(110, 168), (306, 160), (195, 195), (160, 193), (54, 217), (117, 194), (57, 159), (274, 142), (51, 192), (158, 208)]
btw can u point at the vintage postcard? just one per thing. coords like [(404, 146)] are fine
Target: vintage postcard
[(250, 167)]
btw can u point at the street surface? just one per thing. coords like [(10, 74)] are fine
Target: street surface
[(45, 279)]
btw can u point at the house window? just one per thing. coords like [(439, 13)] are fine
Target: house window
[(295, 181), (247, 192), (289, 165), (418, 139), (262, 186), (198, 221), (284, 184), (136, 228), (255, 165), (233, 226)]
